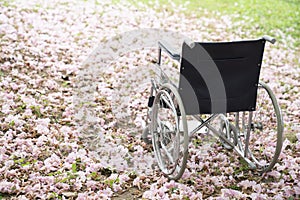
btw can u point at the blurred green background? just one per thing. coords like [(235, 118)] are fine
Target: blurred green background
[(278, 18)]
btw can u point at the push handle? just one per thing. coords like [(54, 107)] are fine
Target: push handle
[(190, 43), (269, 39)]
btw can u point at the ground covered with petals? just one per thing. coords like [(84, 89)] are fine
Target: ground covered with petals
[(48, 151)]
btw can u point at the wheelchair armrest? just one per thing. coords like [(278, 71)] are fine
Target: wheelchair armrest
[(163, 45), (269, 39)]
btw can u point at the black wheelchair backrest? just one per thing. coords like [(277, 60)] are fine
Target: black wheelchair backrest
[(220, 77)]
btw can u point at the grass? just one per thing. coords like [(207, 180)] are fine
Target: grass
[(278, 18)]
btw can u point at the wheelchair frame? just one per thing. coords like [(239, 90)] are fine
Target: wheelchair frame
[(170, 139)]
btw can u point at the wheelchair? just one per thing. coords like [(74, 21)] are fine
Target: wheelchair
[(218, 80)]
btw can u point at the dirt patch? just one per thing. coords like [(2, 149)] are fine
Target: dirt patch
[(129, 194)]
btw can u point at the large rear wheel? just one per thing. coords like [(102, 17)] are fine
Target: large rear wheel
[(261, 138), (169, 132)]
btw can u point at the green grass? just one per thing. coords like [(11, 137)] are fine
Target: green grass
[(278, 18)]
